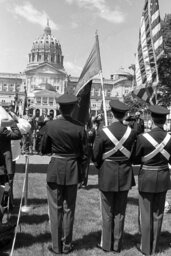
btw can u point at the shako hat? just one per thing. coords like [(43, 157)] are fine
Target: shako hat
[(157, 110), (118, 106), (67, 99)]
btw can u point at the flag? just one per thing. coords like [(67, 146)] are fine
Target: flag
[(150, 49), (16, 101), (83, 89), (25, 101)]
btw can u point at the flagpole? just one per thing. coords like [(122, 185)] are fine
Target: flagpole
[(101, 79), (103, 98)]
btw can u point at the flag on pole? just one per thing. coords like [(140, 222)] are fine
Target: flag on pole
[(150, 49), (91, 68), (25, 101), (16, 101)]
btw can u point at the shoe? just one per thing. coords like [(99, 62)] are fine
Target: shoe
[(83, 186), (101, 248), (67, 249), (53, 251), (139, 249), (116, 251)]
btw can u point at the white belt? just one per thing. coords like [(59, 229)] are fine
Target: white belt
[(116, 159), (64, 156), (155, 168)]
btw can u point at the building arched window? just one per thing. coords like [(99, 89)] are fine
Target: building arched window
[(37, 112), (51, 113)]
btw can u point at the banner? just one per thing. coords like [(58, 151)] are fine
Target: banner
[(91, 68), (150, 49)]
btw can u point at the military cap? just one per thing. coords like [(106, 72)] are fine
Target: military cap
[(118, 106), (157, 110), (66, 99)]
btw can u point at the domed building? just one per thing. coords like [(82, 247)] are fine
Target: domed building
[(45, 71), (45, 79)]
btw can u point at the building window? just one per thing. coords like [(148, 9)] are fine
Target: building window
[(17, 87), (108, 93), (51, 101), (46, 57), (52, 58), (92, 92), (4, 88), (44, 102), (38, 100), (97, 92), (33, 56), (11, 88)]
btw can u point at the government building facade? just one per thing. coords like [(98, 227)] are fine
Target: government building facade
[(45, 79)]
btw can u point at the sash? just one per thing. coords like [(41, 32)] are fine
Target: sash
[(159, 148), (118, 144)]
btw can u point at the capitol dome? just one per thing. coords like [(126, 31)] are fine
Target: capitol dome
[(46, 48)]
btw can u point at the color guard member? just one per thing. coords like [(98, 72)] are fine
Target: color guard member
[(153, 153), (65, 139), (112, 156)]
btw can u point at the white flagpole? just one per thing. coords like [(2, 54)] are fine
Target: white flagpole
[(103, 98), (102, 83)]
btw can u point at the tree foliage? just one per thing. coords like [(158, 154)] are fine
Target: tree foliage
[(164, 64), (135, 104)]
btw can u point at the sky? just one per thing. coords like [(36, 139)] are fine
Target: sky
[(74, 24)]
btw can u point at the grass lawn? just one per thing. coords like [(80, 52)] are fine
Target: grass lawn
[(33, 234)]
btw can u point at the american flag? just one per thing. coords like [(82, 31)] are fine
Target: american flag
[(150, 49)]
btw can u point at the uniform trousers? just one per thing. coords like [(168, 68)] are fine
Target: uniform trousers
[(87, 167), (113, 206), (151, 217), (61, 202)]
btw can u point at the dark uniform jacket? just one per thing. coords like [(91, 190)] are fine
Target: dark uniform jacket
[(152, 180), (5, 148), (66, 139), (114, 175)]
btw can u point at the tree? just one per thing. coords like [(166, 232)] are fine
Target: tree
[(164, 64), (134, 104)]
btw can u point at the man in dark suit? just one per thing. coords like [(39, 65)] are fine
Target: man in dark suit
[(112, 156), (153, 153), (65, 139)]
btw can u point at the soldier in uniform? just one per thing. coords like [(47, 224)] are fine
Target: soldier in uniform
[(153, 153), (112, 156), (65, 139)]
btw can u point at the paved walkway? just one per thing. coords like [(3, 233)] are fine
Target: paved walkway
[(34, 159)]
